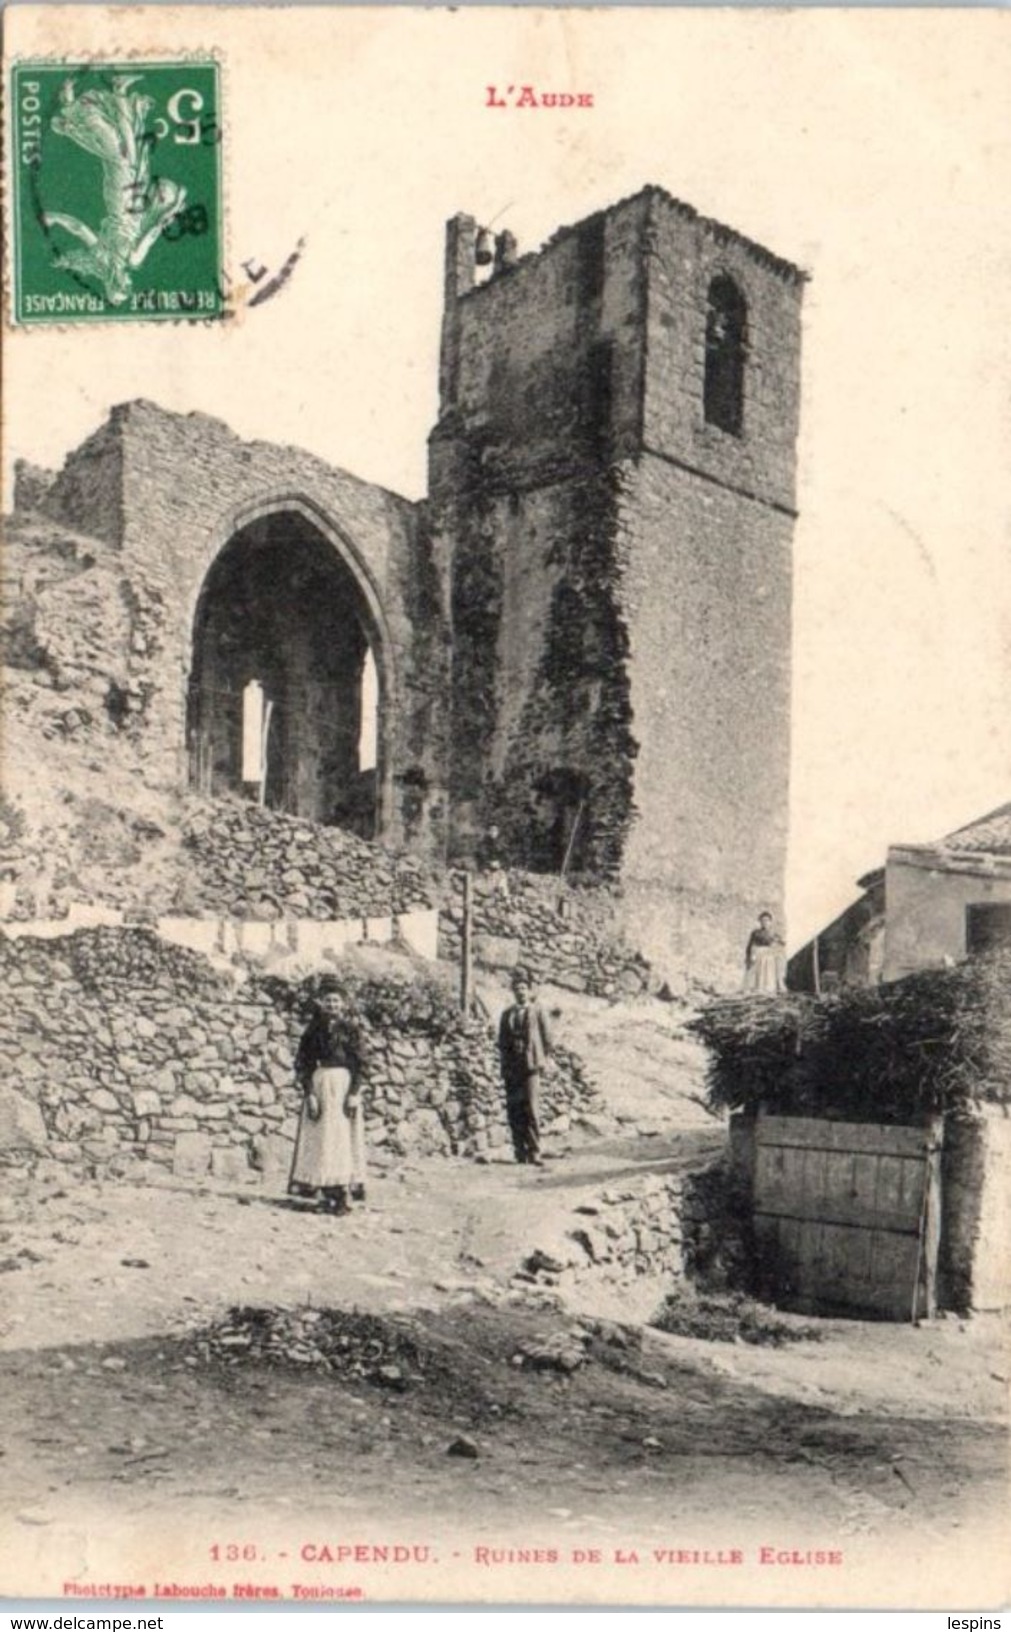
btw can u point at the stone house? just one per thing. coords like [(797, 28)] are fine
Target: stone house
[(931, 904), (950, 899), (579, 640), (850, 950)]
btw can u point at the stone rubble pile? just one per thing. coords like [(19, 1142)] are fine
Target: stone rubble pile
[(134, 1057), (561, 934), (563, 1351), (248, 862), (352, 1346), (73, 624)]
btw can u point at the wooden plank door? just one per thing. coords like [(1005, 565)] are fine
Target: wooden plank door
[(847, 1215)]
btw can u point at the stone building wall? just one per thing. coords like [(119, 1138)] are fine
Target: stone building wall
[(684, 253), (171, 490), (534, 385), (133, 1057), (706, 596), (705, 527), (621, 568), (537, 398), (928, 893)]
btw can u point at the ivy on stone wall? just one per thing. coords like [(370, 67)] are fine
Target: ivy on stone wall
[(571, 758), (476, 616)]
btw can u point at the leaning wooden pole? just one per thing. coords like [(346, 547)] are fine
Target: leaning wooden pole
[(466, 945), (268, 710)]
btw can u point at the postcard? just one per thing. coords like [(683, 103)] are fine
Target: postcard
[(505, 854)]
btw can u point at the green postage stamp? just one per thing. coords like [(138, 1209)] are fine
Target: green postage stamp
[(116, 191)]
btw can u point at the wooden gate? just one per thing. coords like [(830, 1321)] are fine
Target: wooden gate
[(847, 1215)]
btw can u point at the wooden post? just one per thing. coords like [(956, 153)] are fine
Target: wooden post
[(562, 902), (466, 952), (268, 709), (929, 1241)]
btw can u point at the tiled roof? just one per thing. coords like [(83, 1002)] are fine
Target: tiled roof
[(990, 835)]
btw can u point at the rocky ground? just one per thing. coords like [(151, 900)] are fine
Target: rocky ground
[(210, 1386)]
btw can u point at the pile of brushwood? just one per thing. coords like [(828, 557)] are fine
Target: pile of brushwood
[(730, 1317), (937, 1042)]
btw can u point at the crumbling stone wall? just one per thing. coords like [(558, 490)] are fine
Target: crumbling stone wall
[(168, 492), (81, 637), (31, 485), (562, 935), (140, 1058), (583, 637)]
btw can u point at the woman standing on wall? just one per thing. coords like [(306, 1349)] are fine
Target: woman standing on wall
[(763, 958), (330, 1147)]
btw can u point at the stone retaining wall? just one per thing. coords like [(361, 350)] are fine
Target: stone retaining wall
[(564, 935), (627, 1235), (248, 862), (132, 1056)]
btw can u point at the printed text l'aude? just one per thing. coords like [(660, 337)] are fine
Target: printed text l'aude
[(529, 96)]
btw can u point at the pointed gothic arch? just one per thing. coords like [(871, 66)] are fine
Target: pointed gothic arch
[(285, 623)]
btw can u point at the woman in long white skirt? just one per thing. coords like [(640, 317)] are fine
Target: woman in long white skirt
[(763, 959), (330, 1147)]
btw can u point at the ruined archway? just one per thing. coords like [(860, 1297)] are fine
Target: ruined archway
[(288, 687)]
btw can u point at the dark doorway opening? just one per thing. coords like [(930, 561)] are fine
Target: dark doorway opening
[(558, 826), (284, 694)]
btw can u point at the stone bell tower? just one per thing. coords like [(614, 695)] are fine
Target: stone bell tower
[(613, 479)]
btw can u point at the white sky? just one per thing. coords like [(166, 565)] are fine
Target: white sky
[(874, 148)]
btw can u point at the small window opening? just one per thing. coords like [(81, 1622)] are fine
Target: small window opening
[(591, 248), (257, 714), (988, 927), (726, 344)]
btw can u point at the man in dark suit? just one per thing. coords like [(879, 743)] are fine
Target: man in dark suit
[(524, 1043)]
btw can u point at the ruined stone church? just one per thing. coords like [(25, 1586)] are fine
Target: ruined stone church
[(575, 652)]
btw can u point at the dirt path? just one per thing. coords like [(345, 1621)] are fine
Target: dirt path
[(127, 1442)]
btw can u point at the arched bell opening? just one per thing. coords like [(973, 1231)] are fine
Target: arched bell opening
[(286, 692)]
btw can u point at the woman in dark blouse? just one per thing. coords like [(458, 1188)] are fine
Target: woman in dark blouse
[(763, 958), (330, 1147)]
